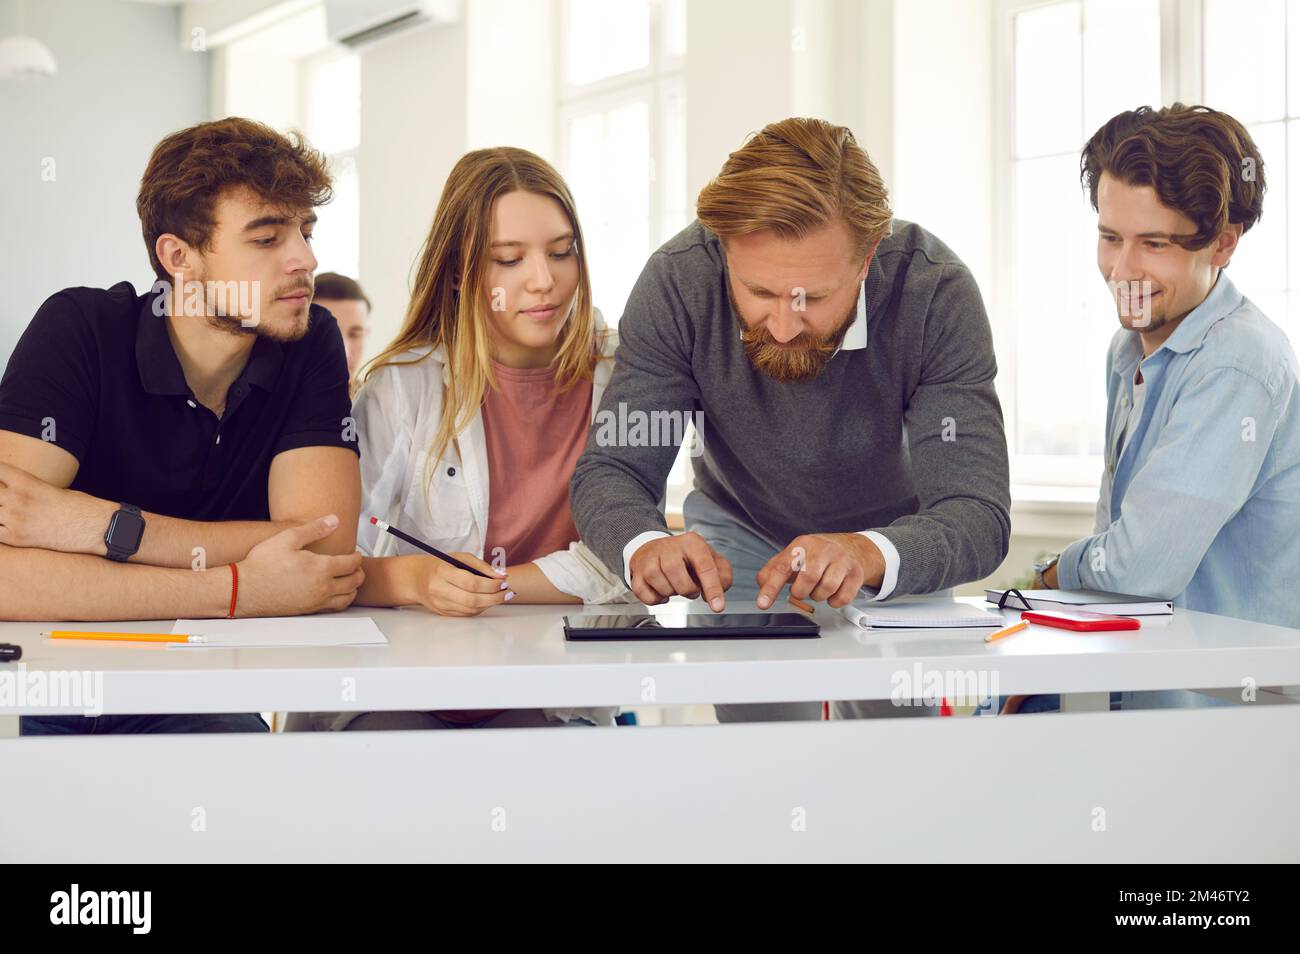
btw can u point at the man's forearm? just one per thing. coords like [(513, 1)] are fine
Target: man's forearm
[(185, 544), (617, 488), (47, 585), (169, 542), (953, 542), (611, 508)]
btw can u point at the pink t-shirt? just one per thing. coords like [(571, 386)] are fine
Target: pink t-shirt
[(535, 435)]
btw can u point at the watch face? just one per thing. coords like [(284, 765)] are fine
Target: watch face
[(125, 531)]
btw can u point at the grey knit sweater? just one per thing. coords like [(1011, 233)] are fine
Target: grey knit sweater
[(903, 437)]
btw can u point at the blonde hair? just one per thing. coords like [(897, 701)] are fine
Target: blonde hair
[(454, 258), (794, 177)]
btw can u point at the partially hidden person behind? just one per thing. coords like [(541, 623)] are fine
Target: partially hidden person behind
[(344, 298)]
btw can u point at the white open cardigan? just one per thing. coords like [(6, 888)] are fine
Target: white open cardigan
[(397, 412)]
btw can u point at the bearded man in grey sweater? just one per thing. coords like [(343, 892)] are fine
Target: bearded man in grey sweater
[(839, 365)]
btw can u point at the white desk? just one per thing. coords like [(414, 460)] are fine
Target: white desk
[(1169, 785)]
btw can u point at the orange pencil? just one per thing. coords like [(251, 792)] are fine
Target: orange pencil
[(800, 604), (128, 637), (1006, 632)]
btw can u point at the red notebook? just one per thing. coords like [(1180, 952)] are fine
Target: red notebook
[(1081, 620)]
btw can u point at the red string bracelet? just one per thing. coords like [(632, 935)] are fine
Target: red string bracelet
[(234, 590)]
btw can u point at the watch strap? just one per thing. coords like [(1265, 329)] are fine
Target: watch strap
[(116, 553)]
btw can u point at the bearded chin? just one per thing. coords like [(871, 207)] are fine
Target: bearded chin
[(787, 365), (801, 360), (233, 326), (263, 329)]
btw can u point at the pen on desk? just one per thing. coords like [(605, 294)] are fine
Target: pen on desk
[(129, 637), (1006, 632), (434, 551)]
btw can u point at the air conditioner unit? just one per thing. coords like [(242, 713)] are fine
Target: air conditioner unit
[(359, 23)]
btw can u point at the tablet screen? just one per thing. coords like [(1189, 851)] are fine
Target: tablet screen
[(685, 625)]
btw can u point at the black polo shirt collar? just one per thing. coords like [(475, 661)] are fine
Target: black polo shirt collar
[(160, 368)]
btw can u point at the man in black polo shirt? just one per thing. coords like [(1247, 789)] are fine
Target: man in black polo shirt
[(187, 452)]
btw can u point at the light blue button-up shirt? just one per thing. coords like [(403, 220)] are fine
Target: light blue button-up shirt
[(1201, 504)]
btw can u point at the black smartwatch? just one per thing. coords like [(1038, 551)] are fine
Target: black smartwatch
[(125, 531)]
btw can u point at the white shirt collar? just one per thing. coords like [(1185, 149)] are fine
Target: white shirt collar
[(855, 339)]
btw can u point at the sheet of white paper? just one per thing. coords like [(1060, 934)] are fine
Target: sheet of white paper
[(280, 632)]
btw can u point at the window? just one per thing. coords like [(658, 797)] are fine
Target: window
[(622, 138), (1068, 65), (331, 111), (1073, 65), (622, 134), (1262, 90)]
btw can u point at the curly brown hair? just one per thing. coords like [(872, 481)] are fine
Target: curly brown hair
[(1201, 162), (190, 169)]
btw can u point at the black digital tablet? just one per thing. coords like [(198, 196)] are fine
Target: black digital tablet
[(691, 626)]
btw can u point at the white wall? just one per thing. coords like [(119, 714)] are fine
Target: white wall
[(427, 97), (943, 121), (739, 78), (413, 129), (510, 83), (123, 83)]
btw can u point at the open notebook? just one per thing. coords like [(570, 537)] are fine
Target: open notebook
[(920, 614)]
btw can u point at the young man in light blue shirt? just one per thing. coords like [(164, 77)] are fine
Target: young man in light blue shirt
[(1200, 499)]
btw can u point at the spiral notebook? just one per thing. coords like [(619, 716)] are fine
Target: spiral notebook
[(920, 614)]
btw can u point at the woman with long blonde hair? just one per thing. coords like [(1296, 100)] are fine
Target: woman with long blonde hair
[(471, 421)]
